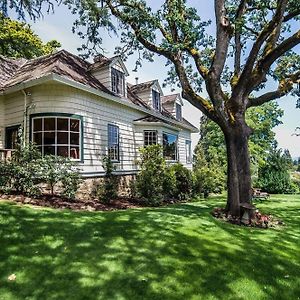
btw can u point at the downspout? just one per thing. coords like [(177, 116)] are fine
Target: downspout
[(24, 118)]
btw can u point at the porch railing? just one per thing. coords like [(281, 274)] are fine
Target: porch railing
[(5, 154)]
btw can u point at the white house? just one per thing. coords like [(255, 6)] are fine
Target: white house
[(83, 110)]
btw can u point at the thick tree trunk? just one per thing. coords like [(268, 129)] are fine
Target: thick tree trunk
[(238, 167)]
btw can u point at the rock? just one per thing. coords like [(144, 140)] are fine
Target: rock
[(27, 200)]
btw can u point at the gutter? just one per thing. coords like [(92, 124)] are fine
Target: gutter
[(83, 87), (160, 124)]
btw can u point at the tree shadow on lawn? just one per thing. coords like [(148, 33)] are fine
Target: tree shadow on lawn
[(177, 252)]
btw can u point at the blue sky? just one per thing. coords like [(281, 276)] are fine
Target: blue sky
[(58, 26)]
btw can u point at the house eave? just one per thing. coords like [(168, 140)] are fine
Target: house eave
[(157, 124), (62, 80)]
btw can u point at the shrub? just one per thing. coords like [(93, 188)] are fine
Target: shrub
[(25, 166), (150, 181), (27, 169), (108, 190), (296, 181), (209, 176), (183, 181), (70, 183), (5, 177), (273, 176), (60, 170)]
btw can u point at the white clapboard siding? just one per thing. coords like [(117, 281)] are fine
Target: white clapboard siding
[(97, 113), (104, 76)]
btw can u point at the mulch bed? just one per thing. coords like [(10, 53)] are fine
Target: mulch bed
[(87, 205), (258, 220)]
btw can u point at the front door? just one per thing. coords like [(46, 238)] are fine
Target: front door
[(11, 136)]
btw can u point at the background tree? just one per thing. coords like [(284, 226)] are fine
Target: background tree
[(274, 176), (254, 43), (287, 156), (18, 40)]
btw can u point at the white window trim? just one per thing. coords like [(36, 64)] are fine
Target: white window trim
[(149, 130), (118, 144), (55, 145), (177, 152), (122, 93), (190, 155)]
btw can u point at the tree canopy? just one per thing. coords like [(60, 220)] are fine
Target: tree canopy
[(18, 40)]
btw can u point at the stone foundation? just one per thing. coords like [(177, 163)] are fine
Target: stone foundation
[(89, 186)]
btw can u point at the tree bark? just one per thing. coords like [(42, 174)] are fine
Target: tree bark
[(238, 167)]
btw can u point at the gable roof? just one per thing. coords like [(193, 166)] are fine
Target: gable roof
[(101, 61), (17, 73), (144, 86), (168, 99), (153, 119)]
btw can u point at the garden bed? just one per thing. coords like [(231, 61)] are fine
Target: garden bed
[(60, 203), (258, 220), (57, 202)]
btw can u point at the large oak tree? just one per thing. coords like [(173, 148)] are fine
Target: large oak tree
[(255, 41)]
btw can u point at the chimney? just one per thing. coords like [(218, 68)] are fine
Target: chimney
[(99, 57), (136, 80)]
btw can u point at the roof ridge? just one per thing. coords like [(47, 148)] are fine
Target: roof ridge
[(145, 82)]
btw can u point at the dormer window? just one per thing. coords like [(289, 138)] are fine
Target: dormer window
[(156, 100), (178, 112), (117, 82)]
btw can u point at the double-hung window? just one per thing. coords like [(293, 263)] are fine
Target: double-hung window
[(156, 100), (113, 142), (57, 135), (117, 82), (150, 137), (188, 151), (170, 146)]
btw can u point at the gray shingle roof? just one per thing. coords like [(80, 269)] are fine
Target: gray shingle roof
[(62, 63), (140, 87), (169, 98)]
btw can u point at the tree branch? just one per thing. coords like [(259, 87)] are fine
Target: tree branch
[(285, 86), (282, 48), (188, 91), (291, 15), (223, 37), (265, 33), (265, 98), (237, 39)]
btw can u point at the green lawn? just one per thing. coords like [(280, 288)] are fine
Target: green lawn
[(176, 252)]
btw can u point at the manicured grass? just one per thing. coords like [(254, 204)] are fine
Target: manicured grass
[(176, 252)]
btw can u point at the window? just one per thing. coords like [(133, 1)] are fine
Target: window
[(170, 146), (150, 137), (113, 142), (11, 137), (178, 112), (188, 151), (57, 135), (117, 82), (156, 100)]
